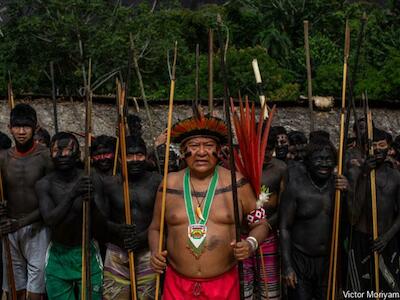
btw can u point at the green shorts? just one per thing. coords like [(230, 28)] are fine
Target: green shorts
[(64, 271)]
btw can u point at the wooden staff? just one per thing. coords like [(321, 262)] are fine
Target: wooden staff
[(116, 152), (336, 215), (167, 144), (124, 169), (86, 290), (261, 93), (11, 103), (231, 153), (264, 114), (309, 80), (7, 248), (373, 195), (351, 104), (196, 84), (53, 95), (210, 71)]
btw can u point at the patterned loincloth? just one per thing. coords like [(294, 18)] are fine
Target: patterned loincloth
[(116, 275), (254, 279)]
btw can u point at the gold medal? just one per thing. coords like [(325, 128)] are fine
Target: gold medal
[(197, 234)]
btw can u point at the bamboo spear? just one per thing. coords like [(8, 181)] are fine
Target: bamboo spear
[(122, 143), (373, 195), (53, 95), (264, 114), (210, 71), (196, 84), (262, 97), (165, 178), (336, 217), (11, 103), (309, 80), (351, 105), (86, 290), (7, 249), (231, 153)]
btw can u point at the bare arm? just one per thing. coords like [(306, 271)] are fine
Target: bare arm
[(396, 224), (52, 214), (158, 260), (247, 198), (357, 194), (154, 228), (287, 213)]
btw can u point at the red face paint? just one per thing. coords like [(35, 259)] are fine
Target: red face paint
[(103, 156)]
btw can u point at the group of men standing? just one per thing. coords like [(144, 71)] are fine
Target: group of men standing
[(45, 188)]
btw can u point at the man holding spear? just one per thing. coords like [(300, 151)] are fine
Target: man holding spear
[(61, 195), (305, 220), (21, 167), (201, 252), (143, 186), (360, 210)]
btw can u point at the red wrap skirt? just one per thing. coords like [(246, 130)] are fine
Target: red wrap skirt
[(179, 287)]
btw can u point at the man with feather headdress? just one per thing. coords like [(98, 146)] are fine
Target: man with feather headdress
[(201, 252)]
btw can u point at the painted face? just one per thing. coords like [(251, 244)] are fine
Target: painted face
[(381, 149), (300, 150), (103, 158), (282, 140), (321, 164), (21, 132), (201, 154), (136, 160), (65, 154)]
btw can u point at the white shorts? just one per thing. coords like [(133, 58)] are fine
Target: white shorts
[(28, 251)]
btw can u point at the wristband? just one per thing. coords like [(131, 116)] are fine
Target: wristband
[(253, 243)]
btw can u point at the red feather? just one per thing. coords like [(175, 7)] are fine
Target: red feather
[(252, 141)]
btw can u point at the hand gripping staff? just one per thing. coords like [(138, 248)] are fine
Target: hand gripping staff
[(331, 292), (124, 170), (86, 289), (231, 153), (373, 195)]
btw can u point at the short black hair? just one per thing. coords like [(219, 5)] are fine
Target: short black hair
[(5, 141), (297, 137), (44, 135), (134, 124), (319, 136), (23, 114), (276, 130), (319, 146), (380, 135), (105, 140), (63, 135), (136, 141)]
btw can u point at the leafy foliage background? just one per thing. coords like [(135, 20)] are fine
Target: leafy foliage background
[(37, 32)]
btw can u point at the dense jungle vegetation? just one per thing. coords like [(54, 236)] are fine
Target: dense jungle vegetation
[(70, 32)]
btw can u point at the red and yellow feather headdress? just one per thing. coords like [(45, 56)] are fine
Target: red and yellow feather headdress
[(200, 125)]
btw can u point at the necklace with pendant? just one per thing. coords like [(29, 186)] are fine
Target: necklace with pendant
[(197, 230), (199, 213)]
